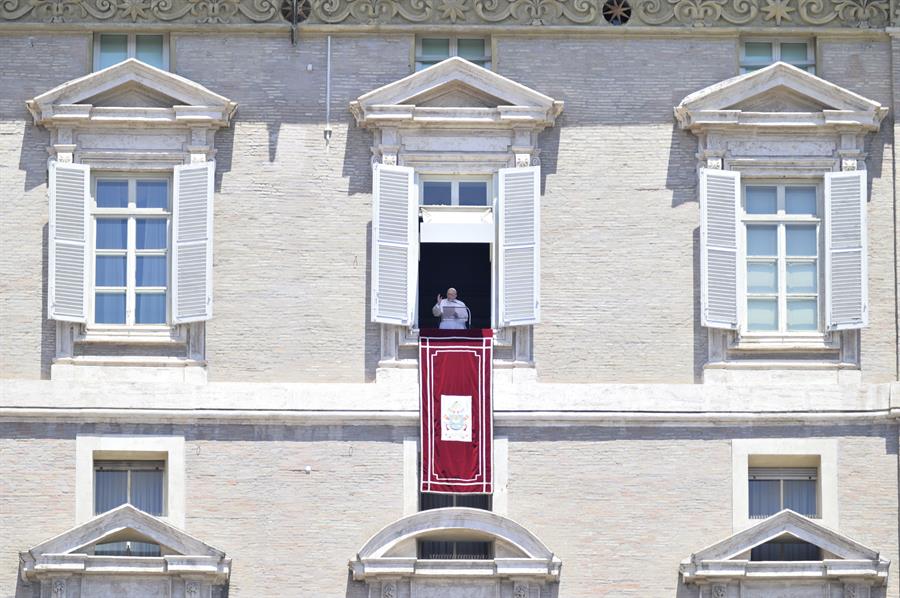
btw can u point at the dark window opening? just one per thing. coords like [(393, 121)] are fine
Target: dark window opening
[(786, 550), (128, 548), (774, 489), (463, 266), (431, 549), (139, 483), (430, 500)]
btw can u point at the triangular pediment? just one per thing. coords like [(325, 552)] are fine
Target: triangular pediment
[(458, 84), (787, 523), (131, 84), (777, 90), (125, 523)]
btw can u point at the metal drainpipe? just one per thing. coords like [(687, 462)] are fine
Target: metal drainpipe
[(328, 92)]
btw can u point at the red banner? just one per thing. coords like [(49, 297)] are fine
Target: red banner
[(457, 417)]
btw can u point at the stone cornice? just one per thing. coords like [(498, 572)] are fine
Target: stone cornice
[(525, 14)]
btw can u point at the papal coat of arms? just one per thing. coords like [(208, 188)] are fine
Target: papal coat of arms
[(456, 418)]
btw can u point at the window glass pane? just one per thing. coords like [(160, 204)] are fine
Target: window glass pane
[(758, 51), (152, 194), (802, 314), (151, 271), (436, 193), (150, 308), (470, 49), (762, 278), (472, 193), (110, 271), (762, 240), (800, 496), (151, 233), (149, 49), (109, 308), (794, 53), (801, 277), (110, 490), (474, 501), (113, 49), (762, 200), (112, 233), (801, 240), (435, 48), (144, 549), (112, 194), (765, 498), (762, 314), (800, 200), (147, 490), (797, 550), (127, 549)]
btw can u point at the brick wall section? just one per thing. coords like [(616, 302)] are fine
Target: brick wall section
[(34, 63), (620, 506), (291, 222), (863, 67)]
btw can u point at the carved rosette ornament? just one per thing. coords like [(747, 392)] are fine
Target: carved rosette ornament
[(719, 591), (520, 590), (59, 588), (389, 590), (851, 590)]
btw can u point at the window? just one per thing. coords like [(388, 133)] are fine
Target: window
[(774, 489), (786, 550), (131, 241), (782, 231), (454, 193), (451, 548), (113, 48), (432, 50), (756, 54), (139, 483), (127, 548)]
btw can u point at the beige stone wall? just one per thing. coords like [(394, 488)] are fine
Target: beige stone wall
[(34, 63), (621, 506)]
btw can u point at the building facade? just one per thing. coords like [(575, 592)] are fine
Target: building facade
[(224, 224)]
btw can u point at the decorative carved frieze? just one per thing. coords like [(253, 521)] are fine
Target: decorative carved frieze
[(719, 591), (59, 588), (520, 590), (526, 13)]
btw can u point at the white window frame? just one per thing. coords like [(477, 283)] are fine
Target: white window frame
[(809, 66), (743, 450), (131, 213), (132, 46), (780, 219), (454, 48), (454, 181), (90, 448)]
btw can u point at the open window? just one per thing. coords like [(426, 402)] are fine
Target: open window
[(456, 196)]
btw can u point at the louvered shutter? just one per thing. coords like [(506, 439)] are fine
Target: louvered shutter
[(845, 250), (192, 228), (720, 272), (395, 234), (518, 214), (68, 235)]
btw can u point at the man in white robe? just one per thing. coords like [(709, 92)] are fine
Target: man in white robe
[(453, 313)]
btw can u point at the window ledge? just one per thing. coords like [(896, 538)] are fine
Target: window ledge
[(785, 342), (129, 360), (150, 335)]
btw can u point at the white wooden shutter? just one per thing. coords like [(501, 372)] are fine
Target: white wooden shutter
[(395, 239), (846, 295), (68, 252), (518, 216), (720, 272), (192, 231)]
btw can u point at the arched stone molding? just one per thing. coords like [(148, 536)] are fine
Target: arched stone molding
[(522, 565)]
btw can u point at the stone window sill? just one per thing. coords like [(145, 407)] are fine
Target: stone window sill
[(785, 342), (131, 335)]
